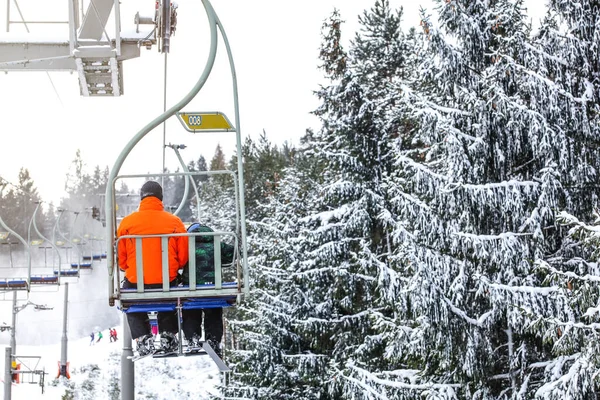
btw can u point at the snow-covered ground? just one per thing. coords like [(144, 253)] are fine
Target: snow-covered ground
[(95, 369), (95, 374)]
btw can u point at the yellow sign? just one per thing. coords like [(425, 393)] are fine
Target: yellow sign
[(205, 121), (60, 243), (4, 235), (37, 242)]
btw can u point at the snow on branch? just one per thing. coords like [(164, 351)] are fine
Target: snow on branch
[(326, 216), (546, 55), (504, 185), (359, 315), (412, 375), (520, 289), (423, 168), (477, 322), (594, 326), (502, 236), (569, 274)]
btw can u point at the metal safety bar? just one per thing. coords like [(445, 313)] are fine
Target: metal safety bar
[(167, 292)]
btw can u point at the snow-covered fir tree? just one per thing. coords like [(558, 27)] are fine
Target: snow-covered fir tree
[(476, 208), (417, 252), (568, 45), (325, 244)]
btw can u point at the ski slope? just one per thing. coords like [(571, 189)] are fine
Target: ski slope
[(95, 370)]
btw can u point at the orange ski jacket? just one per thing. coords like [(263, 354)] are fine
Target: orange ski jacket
[(151, 219)]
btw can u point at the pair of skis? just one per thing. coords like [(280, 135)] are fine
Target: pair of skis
[(195, 351), (165, 354)]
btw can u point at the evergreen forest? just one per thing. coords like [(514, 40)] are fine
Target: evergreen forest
[(437, 237)]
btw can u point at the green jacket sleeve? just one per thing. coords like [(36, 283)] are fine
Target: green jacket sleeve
[(227, 251)]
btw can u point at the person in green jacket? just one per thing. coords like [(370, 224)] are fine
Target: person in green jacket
[(205, 274)]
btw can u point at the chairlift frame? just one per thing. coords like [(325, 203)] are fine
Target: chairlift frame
[(12, 284), (51, 279), (67, 273), (115, 294)]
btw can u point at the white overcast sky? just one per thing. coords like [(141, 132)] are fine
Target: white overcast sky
[(275, 47)]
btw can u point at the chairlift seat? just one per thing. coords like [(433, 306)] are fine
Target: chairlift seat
[(190, 304), (44, 279), (205, 296), (67, 272), (82, 265), (13, 283)]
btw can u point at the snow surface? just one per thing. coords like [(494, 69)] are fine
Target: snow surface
[(95, 369)]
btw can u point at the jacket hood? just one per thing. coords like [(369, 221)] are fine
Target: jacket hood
[(199, 228)]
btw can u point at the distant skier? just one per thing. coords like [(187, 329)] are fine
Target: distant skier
[(92, 339), (99, 337), (14, 366), (113, 335)]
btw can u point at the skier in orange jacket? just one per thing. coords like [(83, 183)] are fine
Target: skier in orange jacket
[(151, 219)]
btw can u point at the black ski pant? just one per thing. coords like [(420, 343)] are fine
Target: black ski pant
[(213, 323), (139, 323)]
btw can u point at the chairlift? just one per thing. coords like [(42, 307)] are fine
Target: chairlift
[(19, 281), (62, 243), (45, 279), (222, 292), (78, 242)]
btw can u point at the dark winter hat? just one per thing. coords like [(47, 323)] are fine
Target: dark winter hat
[(151, 188)]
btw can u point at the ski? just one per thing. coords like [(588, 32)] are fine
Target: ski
[(165, 355), (138, 357), (194, 351)]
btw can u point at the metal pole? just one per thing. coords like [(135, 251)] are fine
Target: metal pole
[(187, 179), (64, 339), (76, 14), (127, 367), (7, 373), (10, 253), (240, 159), (118, 26), (166, 26), (13, 342), (162, 178), (72, 26), (7, 15)]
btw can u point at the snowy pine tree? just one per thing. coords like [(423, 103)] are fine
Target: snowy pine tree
[(569, 55), (475, 200), (325, 243)]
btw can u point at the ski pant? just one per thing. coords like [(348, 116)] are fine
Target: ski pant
[(139, 323), (213, 323)]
